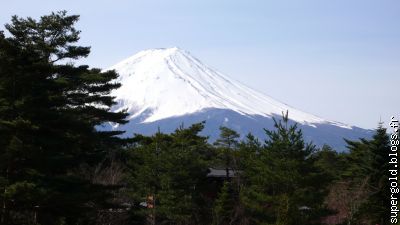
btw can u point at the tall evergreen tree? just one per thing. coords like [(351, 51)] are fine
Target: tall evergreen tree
[(256, 178), (49, 111), (227, 143), (300, 184), (170, 169), (368, 166), (331, 162), (224, 206), (227, 206), (284, 186), (378, 208)]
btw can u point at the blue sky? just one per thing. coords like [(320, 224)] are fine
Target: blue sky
[(337, 59)]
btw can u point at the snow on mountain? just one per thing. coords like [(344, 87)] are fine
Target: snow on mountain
[(169, 82)]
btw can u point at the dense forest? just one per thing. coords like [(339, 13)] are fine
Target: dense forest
[(57, 167)]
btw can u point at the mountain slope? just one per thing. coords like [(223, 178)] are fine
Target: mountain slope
[(170, 84)]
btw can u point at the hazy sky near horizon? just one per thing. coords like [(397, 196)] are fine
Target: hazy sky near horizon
[(339, 60)]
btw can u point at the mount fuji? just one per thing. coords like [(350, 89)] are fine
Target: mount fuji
[(167, 87)]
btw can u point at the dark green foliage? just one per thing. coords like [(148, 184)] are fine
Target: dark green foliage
[(56, 167), (331, 162), (360, 192), (369, 164), (226, 145), (378, 210), (283, 183), (48, 115), (256, 203), (171, 170), (225, 205)]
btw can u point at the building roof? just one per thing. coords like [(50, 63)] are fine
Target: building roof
[(220, 172)]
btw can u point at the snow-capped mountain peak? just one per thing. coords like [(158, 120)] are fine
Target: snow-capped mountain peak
[(170, 82)]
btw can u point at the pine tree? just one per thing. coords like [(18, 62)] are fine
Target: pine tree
[(256, 178), (284, 186), (330, 161), (379, 181), (228, 203), (224, 206), (227, 143), (171, 168), (49, 112), (368, 166)]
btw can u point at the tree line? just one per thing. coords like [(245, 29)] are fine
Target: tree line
[(57, 167)]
